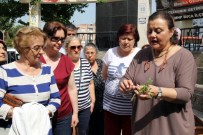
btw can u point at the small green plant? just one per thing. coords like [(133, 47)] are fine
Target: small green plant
[(145, 90)]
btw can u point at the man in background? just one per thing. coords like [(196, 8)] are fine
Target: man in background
[(71, 31)]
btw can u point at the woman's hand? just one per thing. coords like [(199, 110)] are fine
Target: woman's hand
[(50, 113), (10, 114), (126, 86), (75, 120), (146, 93), (91, 107)]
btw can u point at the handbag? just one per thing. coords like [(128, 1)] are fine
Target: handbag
[(12, 101)]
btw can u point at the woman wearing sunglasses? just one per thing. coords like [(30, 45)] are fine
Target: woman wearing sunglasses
[(84, 82), (28, 80), (67, 114)]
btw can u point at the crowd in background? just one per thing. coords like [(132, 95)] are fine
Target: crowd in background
[(64, 89)]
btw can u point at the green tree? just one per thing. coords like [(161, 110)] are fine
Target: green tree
[(10, 33), (61, 12), (10, 10)]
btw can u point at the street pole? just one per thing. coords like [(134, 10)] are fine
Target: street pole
[(34, 14), (142, 18)]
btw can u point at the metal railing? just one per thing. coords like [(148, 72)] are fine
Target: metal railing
[(103, 40), (191, 38)]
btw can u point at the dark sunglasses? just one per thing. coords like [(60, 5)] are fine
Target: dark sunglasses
[(74, 47), (57, 39)]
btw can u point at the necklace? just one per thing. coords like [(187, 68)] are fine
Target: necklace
[(159, 56), (163, 53), (163, 65)]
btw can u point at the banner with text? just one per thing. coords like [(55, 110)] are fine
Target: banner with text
[(182, 9)]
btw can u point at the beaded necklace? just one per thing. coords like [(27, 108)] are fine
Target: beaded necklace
[(163, 65)]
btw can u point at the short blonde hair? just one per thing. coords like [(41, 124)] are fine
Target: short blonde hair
[(23, 37)]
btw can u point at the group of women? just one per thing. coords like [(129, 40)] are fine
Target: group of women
[(133, 91)]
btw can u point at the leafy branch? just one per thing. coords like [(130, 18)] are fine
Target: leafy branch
[(145, 89)]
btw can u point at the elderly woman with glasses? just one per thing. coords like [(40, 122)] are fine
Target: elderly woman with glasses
[(84, 82), (27, 80), (67, 114)]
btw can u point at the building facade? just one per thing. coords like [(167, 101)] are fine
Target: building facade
[(110, 16), (86, 32)]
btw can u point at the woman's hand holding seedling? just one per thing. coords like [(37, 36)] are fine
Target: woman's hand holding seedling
[(145, 91), (126, 86)]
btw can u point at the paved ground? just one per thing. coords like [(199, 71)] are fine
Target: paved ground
[(100, 54)]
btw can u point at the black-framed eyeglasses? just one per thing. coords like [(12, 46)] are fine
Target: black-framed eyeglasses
[(79, 47), (57, 39)]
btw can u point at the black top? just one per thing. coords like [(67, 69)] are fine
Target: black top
[(99, 86)]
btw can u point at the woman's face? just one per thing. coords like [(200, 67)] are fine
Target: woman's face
[(34, 52), (159, 34), (126, 42), (73, 49), (90, 54), (57, 41), (2, 53)]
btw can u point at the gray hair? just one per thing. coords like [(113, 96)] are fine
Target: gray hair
[(71, 27), (91, 45), (71, 38)]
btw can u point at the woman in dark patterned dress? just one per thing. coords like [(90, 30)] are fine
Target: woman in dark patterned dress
[(96, 124)]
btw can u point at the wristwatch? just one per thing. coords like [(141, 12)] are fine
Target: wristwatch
[(159, 92)]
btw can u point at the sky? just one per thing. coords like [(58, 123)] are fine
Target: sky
[(88, 17)]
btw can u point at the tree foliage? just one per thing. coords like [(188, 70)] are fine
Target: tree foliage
[(61, 12), (10, 10), (10, 33)]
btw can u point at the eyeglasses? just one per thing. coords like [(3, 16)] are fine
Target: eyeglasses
[(79, 47), (37, 48), (57, 39)]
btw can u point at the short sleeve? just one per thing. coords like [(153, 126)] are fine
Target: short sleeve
[(107, 57)]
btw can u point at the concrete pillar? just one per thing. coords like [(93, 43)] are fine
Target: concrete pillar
[(34, 14), (143, 15)]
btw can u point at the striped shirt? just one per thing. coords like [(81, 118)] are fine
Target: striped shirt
[(83, 76), (41, 88), (114, 101)]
